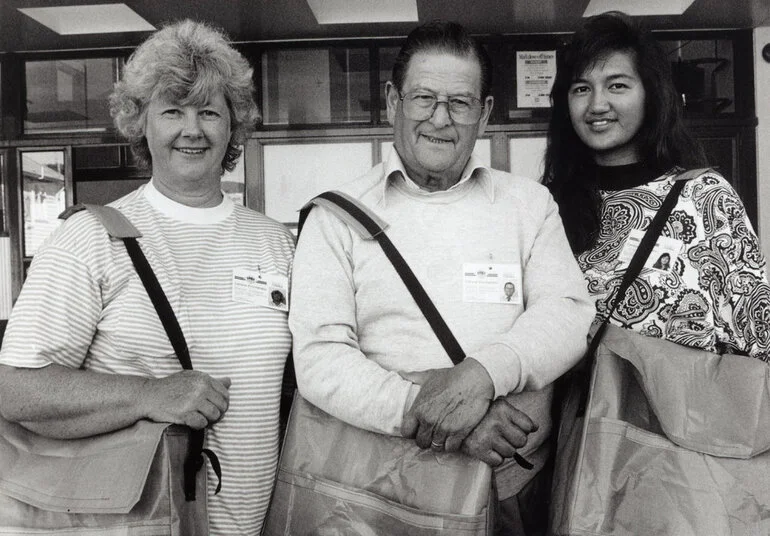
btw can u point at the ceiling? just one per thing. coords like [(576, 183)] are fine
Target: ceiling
[(269, 20)]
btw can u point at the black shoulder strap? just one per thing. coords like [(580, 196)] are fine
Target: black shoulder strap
[(369, 225), (582, 374), (373, 227), (118, 226)]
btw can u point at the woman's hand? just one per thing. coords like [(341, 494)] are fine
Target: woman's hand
[(189, 397)]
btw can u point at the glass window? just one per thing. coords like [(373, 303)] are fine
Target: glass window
[(106, 191), (527, 156), (97, 157), (2, 115), (703, 72), (311, 86), (387, 59), (3, 215), (295, 173), (69, 95), (44, 195)]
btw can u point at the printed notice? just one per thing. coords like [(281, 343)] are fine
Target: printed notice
[(535, 72)]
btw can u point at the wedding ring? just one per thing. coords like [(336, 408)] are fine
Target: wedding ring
[(437, 446)]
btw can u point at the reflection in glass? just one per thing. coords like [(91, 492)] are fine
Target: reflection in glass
[(311, 86), (703, 74), (44, 195), (66, 95)]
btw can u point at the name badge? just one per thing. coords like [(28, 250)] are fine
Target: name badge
[(492, 283), (662, 258), (263, 290)]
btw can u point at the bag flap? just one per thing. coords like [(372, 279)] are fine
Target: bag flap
[(101, 474), (117, 225), (711, 403), (323, 448)]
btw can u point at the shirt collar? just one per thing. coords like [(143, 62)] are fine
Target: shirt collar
[(195, 215), (474, 170)]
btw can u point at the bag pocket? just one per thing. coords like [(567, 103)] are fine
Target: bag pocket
[(303, 505)]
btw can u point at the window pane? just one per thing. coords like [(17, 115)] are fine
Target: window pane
[(97, 157), (107, 191), (309, 86), (3, 215), (387, 59), (65, 95), (527, 156), (295, 173), (703, 74), (44, 195)]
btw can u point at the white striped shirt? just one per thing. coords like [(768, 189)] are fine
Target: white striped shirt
[(84, 305)]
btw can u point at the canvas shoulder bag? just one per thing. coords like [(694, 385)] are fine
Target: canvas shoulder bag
[(141, 480), (334, 478), (665, 439)]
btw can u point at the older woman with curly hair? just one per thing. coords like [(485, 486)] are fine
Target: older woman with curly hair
[(85, 353)]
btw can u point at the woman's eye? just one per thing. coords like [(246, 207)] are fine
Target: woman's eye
[(618, 86), (578, 89), (172, 112), (210, 114)]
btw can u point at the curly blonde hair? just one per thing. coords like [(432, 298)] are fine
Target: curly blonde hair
[(186, 62)]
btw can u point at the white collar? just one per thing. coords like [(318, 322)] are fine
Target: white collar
[(178, 211)]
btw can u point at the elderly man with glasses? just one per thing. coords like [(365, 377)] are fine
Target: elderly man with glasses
[(363, 350)]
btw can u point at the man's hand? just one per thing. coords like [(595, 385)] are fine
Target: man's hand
[(451, 402), (188, 397), (502, 430)]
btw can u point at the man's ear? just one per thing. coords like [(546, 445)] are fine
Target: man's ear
[(391, 100), (489, 102)]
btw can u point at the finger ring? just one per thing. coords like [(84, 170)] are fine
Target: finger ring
[(437, 446)]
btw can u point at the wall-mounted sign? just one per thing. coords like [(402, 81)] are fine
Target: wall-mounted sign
[(535, 72)]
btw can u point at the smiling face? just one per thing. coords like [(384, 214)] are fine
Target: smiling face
[(606, 107), (187, 143), (436, 150)]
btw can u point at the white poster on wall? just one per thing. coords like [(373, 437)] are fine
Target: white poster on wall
[(535, 72)]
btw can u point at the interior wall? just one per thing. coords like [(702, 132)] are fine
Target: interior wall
[(762, 90)]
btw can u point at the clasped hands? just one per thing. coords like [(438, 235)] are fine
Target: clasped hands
[(454, 411)]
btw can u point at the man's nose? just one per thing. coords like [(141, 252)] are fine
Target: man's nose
[(440, 116)]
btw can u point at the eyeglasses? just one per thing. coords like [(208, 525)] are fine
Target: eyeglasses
[(420, 105)]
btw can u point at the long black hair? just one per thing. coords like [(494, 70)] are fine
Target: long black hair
[(664, 142)]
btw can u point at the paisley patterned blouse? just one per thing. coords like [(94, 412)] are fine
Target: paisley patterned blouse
[(713, 294)]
